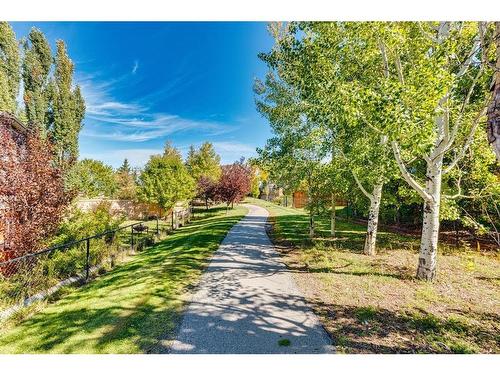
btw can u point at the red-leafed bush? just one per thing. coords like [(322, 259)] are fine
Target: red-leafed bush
[(32, 195), (234, 183)]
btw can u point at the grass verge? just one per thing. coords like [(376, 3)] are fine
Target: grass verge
[(374, 304), (134, 308)]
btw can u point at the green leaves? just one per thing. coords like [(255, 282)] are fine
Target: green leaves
[(9, 68), (91, 178), (165, 180), (203, 162)]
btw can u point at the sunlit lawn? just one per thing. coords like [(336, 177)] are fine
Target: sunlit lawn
[(375, 305), (135, 307)]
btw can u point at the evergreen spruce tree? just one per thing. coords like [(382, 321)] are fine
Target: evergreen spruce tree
[(125, 167)]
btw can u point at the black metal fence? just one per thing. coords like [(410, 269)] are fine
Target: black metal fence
[(32, 277)]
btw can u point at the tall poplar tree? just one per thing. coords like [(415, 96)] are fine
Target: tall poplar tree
[(37, 64), (9, 68), (68, 109)]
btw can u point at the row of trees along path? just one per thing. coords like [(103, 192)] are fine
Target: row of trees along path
[(382, 102)]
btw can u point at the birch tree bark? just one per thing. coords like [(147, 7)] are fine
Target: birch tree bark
[(494, 108), (426, 269), (431, 195), (371, 232)]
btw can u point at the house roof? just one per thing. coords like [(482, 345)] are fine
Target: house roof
[(10, 119)]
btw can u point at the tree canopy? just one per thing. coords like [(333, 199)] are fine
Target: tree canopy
[(92, 178), (165, 180), (395, 104)]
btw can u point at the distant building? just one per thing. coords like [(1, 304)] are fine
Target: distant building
[(299, 199), (19, 132)]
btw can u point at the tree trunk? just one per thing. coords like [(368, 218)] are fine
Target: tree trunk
[(430, 227), (333, 217), (311, 223), (494, 108), (371, 232), (206, 203)]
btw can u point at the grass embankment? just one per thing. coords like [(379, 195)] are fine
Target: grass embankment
[(134, 308), (375, 305)]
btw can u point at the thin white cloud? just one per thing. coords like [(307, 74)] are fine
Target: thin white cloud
[(110, 119), (148, 127), (137, 157), (136, 66), (105, 108)]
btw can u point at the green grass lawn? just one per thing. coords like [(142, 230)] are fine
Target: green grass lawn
[(373, 304), (134, 308)]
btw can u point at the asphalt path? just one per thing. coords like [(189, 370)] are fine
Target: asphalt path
[(247, 301)]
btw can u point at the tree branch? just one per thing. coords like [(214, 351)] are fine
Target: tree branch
[(368, 195), (373, 127), (428, 35), (407, 175), (468, 141), (462, 109), (465, 65), (399, 69), (384, 58)]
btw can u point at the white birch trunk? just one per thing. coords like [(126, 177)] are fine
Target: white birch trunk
[(371, 232), (430, 226)]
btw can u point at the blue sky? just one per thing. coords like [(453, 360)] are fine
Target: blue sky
[(145, 83)]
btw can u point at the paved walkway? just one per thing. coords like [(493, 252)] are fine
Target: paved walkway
[(247, 301)]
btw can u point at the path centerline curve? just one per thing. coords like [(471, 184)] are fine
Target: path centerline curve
[(247, 301)]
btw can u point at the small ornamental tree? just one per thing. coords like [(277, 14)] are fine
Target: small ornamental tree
[(204, 166), (32, 194), (207, 189), (165, 180), (235, 182)]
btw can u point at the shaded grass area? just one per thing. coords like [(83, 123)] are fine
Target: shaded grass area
[(134, 308), (375, 305)]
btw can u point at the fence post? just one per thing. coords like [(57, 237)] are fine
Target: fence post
[(88, 261), (132, 237)]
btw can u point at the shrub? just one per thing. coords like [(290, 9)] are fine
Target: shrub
[(71, 261), (39, 273)]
